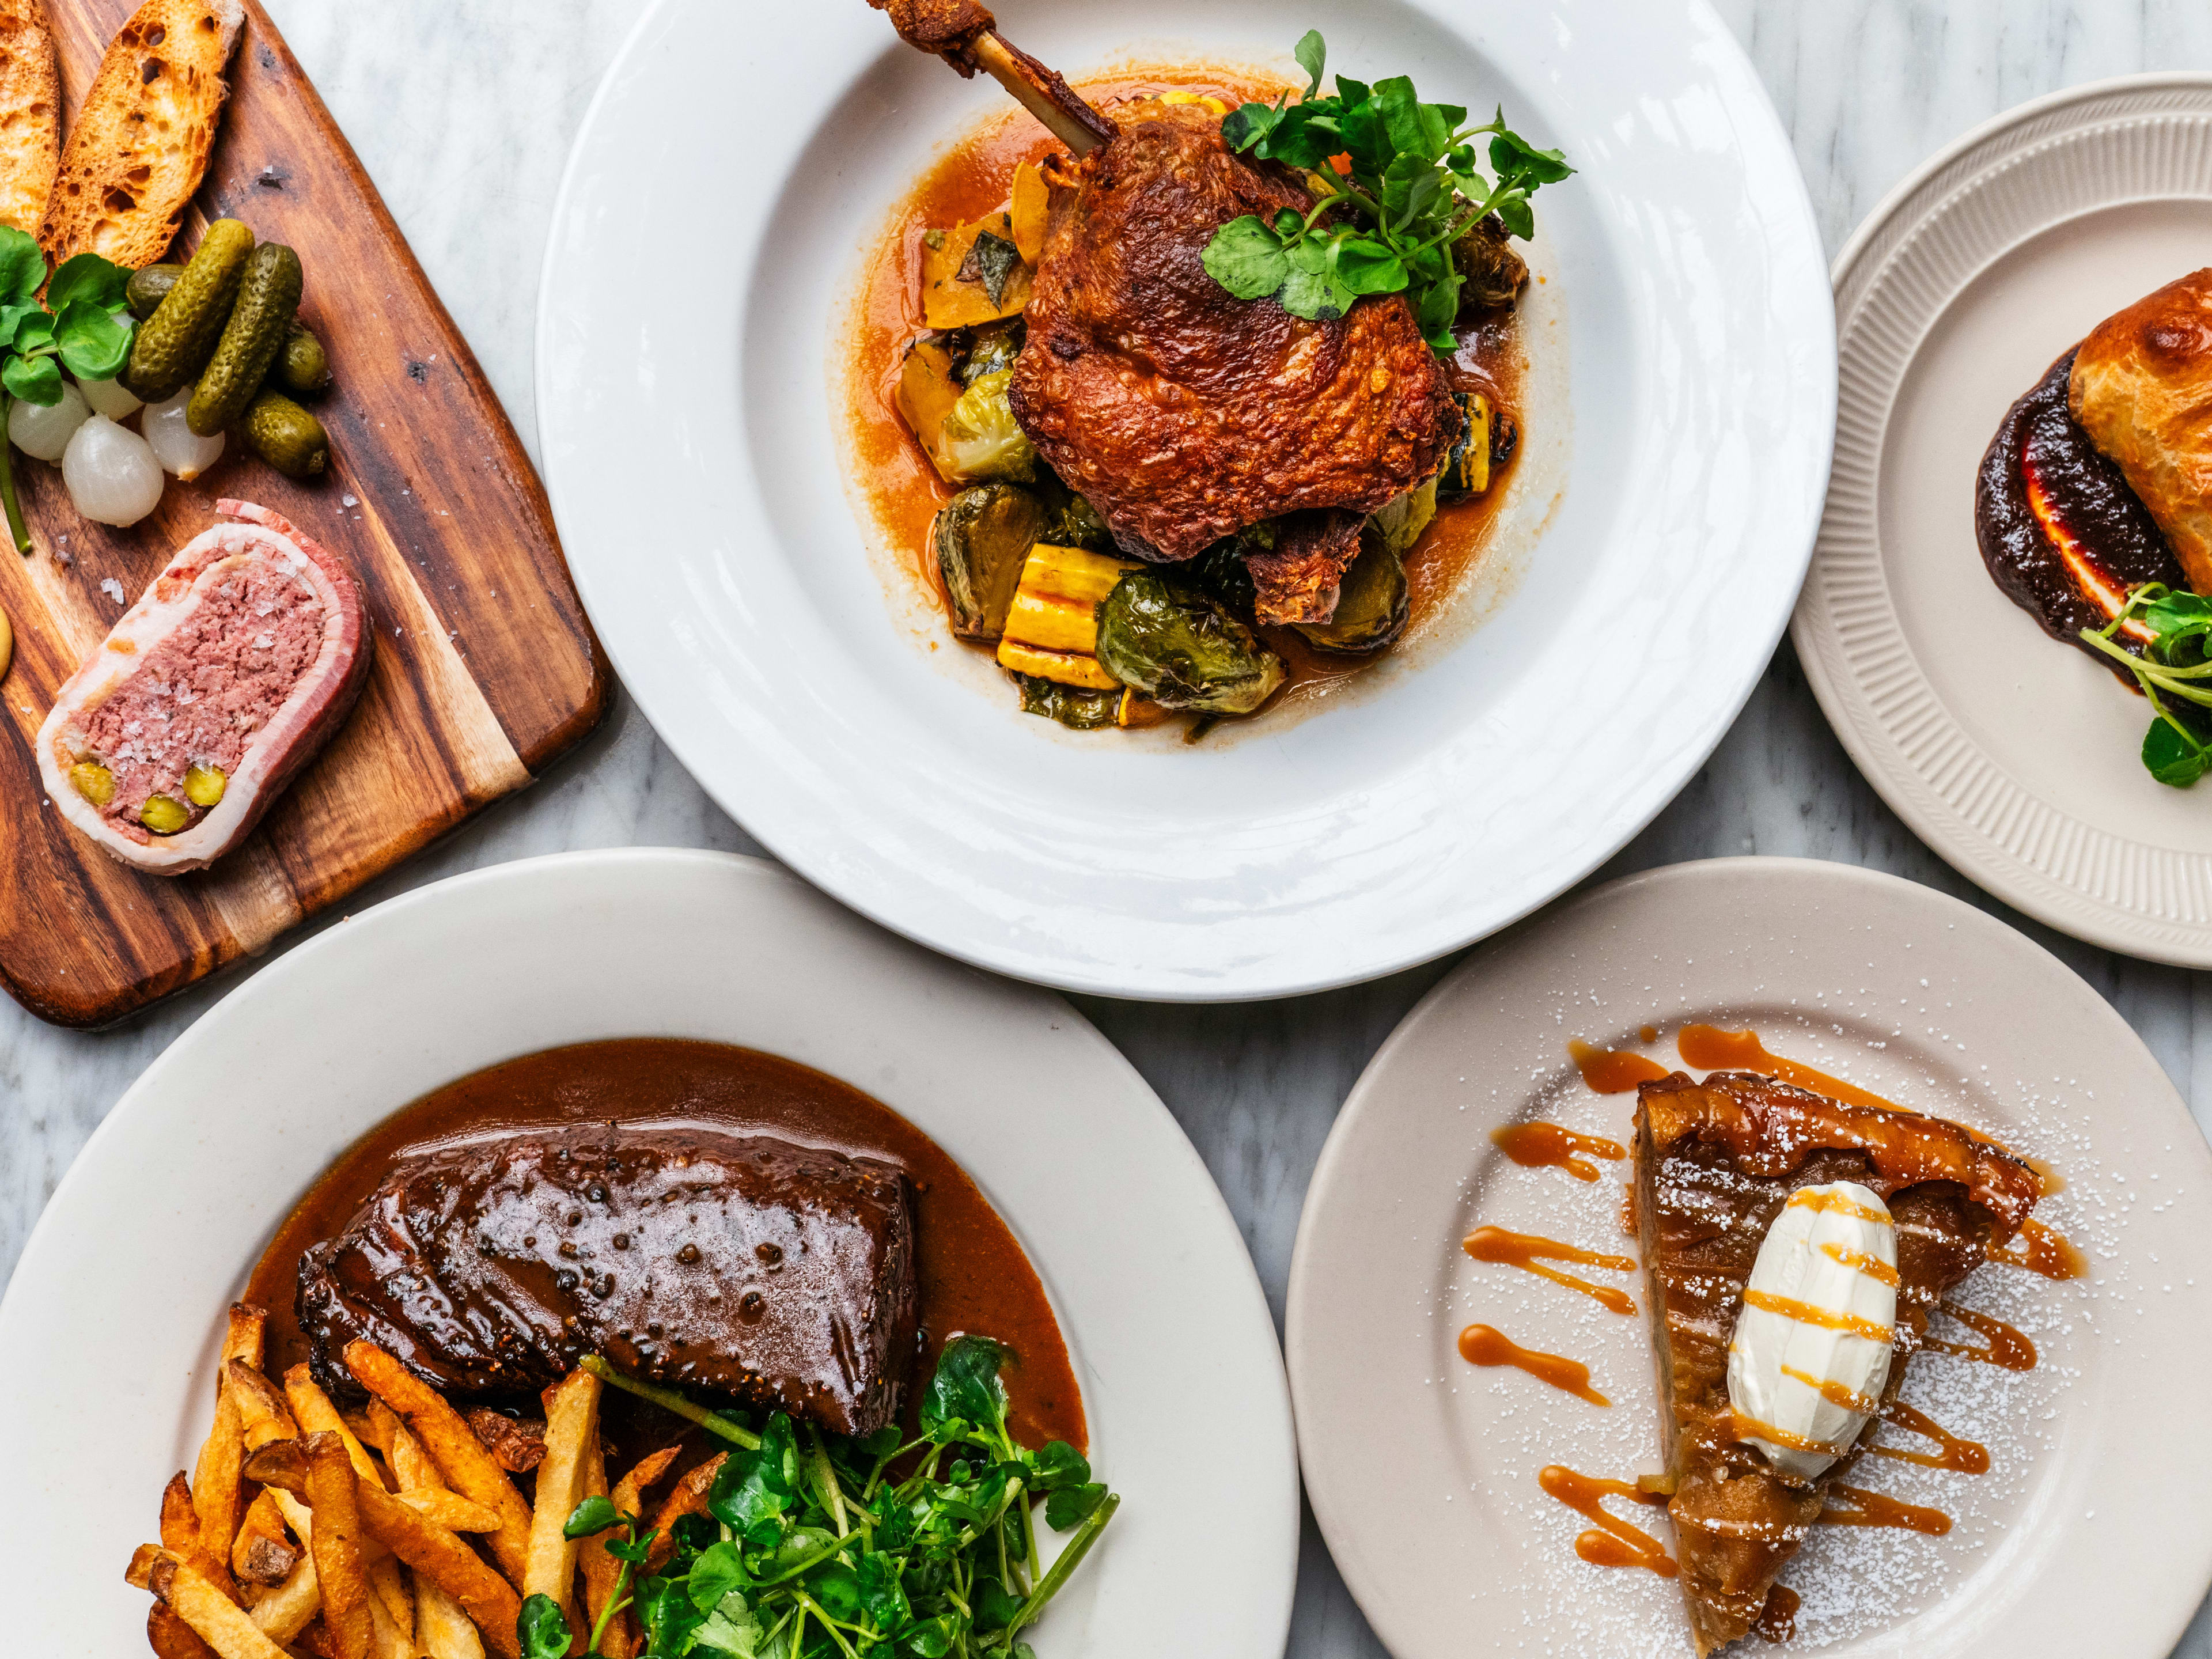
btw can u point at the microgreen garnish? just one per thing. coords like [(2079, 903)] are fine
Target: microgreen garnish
[(813, 1547), (2174, 663), (83, 326), (1412, 185)]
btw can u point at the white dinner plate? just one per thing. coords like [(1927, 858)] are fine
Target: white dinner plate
[(689, 391), (112, 1321), (2014, 756), (2089, 1534)]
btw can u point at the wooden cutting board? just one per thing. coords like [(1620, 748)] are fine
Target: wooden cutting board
[(486, 668)]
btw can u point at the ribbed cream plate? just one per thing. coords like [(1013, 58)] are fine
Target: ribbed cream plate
[(2011, 756)]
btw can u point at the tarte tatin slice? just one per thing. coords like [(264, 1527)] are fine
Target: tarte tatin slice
[(1717, 1165)]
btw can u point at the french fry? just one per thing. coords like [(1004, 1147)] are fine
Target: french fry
[(451, 1510), (429, 1548), (312, 1410), (215, 1492), (332, 1495), (180, 1520), (263, 1414), (366, 1428), (601, 1569), (292, 1606), (389, 1582), (171, 1637), (571, 1419), (442, 1628), (689, 1498), (261, 1554), (413, 1467), (592, 1552), (315, 1639), (193, 1597), (242, 1339), (468, 1468)]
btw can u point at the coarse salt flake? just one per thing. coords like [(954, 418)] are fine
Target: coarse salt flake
[(113, 588)]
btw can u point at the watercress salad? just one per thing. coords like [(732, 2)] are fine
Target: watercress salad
[(1400, 184), (815, 1547), (82, 325), (2175, 663)]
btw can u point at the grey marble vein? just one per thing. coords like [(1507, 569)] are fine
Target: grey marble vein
[(463, 111)]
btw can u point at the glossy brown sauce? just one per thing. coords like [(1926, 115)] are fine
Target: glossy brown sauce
[(973, 1274), (1871, 1509), (1548, 1147), (2007, 1348), (1611, 1542), (975, 176), (1485, 1345), (1958, 1456), (1528, 1253), (1613, 1071)]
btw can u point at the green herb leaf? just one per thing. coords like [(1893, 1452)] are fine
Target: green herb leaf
[(1057, 1465), (594, 1514), (965, 1390), (753, 1488), (541, 1630), (34, 379), (22, 266), (1246, 257), (94, 342), (1071, 1505), (2172, 756), (89, 278), (1312, 53)]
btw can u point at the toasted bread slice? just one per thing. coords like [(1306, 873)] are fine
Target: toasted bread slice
[(141, 141), (30, 114)]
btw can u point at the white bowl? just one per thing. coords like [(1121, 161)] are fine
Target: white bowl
[(690, 378)]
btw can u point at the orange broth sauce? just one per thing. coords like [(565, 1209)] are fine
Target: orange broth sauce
[(975, 176)]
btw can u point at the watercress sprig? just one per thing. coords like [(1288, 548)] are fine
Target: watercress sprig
[(2174, 663), (817, 1547), (83, 325), (1400, 182)]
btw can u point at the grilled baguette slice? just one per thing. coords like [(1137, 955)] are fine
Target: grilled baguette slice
[(30, 114), (141, 141)]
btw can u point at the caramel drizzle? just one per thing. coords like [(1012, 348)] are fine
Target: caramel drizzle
[(1958, 1456), (1548, 1147), (1871, 1509), (1750, 1428), (1611, 1542), (1709, 1049), (1804, 1313), (1859, 1261), (2041, 1251), (1614, 1071), (1485, 1345), (2008, 1347), (1812, 1198), (1777, 1620), (1834, 1392), (1529, 1252)]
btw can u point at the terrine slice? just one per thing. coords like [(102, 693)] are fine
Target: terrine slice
[(208, 696)]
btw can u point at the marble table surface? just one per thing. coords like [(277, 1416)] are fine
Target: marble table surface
[(463, 111)]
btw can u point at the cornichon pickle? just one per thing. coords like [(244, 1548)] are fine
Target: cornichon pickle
[(268, 295), (175, 343), (149, 286), (94, 781), (205, 784), (303, 366), (164, 816), (285, 435)]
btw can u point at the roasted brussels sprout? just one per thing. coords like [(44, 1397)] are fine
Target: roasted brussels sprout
[(1401, 521), (1372, 602), (1182, 649), (1079, 524), (979, 441), (991, 347), (1221, 573), (981, 539), (1073, 707), (1492, 273), (1466, 469)]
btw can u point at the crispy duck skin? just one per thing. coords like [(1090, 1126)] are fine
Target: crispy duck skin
[(780, 1276), (1298, 583), (1182, 412)]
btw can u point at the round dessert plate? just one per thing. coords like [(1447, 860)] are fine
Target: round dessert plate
[(2097, 1453), (113, 1317), (2012, 755), (1681, 376)]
